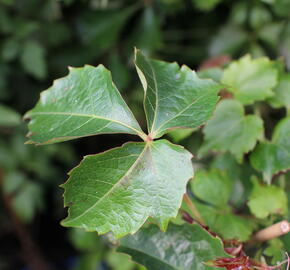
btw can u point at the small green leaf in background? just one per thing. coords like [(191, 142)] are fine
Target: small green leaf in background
[(83, 240), (281, 7), (33, 59), (166, 108), (230, 226), (91, 249), (212, 186), (27, 200), (100, 29), (282, 93), (126, 185), (84, 103), (119, 261), (266, 200), (206, 5), (149, 26), (260, 16), (211, 73), (120, 72), (230, 130), (221, 44), (223, 222), (273, 157), (8, 117), (7, 2), (250, 79), (275, 250), (10, 49), (186, 247), (13, 181)]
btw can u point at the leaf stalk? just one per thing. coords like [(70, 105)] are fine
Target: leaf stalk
[(193, 209)]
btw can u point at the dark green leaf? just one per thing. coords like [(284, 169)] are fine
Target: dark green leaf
[(84, 103), (101, 28), (174, 97), (149, 26), (186, 247)]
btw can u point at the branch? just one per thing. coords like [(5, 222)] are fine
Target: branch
[(276, 230), (32, 255)]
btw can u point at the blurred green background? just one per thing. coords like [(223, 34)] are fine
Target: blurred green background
[(40, 39)]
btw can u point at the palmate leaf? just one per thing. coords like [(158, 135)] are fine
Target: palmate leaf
[(273, 157), (119, 189), (84, 103), (186, 247), (174, 97), (230, 130)]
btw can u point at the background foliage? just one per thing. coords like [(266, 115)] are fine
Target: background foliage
[(39, 39)]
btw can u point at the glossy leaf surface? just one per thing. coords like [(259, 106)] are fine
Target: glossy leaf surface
[(84, 103), (119, 189), (230, 130), (174, 97), (250, 79), (185, 247)]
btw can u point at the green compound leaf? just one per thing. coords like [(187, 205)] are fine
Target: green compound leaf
[(230, 130), (174, 97), (186, 247), (266, 200), (213, 187), (119, 189), (250, 80), (273, 157), (84, 103)]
